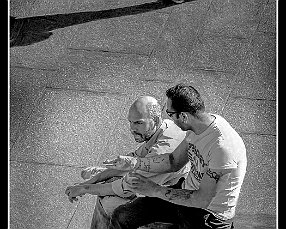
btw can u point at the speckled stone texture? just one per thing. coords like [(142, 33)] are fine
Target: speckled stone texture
[(261, 154), (37, 198), (69, 127), (83, 64), (26, 88)]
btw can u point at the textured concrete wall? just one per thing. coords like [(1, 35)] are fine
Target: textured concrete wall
[(70, 92)]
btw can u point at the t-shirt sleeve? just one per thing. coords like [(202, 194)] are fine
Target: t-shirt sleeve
[(221, 157)]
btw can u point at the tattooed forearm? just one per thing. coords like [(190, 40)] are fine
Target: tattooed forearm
[(214, 175), (158, 160), (156, 164), (146, 164), (178, 194), (87, 187), (172, 160)]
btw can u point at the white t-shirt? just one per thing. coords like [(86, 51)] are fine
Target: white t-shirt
[(218, 147)]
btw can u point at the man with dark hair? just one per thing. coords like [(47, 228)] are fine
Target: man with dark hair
[(186, 98), (209, 194)]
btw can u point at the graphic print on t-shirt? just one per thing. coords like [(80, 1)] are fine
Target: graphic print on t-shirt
[(197, 162)]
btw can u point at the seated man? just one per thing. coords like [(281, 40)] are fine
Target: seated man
[(158, 137), (210, 192)]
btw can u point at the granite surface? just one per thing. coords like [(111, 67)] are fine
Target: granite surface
[(77, 65)]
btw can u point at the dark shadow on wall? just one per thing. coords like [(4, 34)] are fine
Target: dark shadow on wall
[(30, 30)]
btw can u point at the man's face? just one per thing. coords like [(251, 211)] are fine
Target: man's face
[(142, 128), (174, 115)]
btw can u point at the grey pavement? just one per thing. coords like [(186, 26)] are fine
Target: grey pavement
[(77, 65)]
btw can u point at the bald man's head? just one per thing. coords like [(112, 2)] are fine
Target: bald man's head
[(145, 118), (146, 107)]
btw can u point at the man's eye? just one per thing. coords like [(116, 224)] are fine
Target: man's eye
[(136, 122)]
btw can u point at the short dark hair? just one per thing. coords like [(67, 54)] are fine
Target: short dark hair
[(186, 98)]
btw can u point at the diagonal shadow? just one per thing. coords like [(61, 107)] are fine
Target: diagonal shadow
[(30, 30)]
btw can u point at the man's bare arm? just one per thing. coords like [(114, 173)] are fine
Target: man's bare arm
[(107, 174), (104, 175), (163, 163), (200, 198), (94, 189)]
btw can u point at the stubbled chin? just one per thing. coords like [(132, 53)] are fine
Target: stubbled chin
[(138, 139)]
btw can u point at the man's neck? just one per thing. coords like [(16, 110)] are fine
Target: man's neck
[(202, 123), (155, 130)]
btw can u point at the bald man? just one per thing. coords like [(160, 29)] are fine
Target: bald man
[(157, 136)]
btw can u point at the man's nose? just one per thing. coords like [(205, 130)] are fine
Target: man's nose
[(132, 127)]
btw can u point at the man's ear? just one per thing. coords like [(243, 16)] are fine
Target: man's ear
[(157, 120), (184, 117)]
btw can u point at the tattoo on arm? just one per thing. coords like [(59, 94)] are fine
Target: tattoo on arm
[(155, 160), (146, 165), (214, 175), (178, 194), (158, 160), (86, 187), (172, 161)]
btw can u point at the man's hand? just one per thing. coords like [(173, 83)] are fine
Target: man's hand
[(124, 163), (74, 191), (141, 185), (89, 172)]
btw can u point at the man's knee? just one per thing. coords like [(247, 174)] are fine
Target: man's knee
[(119, 216)]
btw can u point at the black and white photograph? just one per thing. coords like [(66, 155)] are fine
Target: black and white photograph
[(142, 114)]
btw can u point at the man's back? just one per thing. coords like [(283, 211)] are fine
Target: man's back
[(218, 147)]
